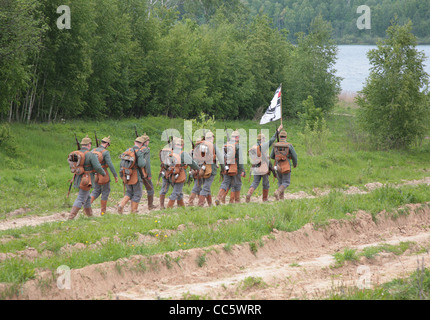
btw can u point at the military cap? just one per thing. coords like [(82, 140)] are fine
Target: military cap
[(235, 133), (261, 136), (283, 134), (140, 139), (86, 140), (209, 134), (145, 137), (106, 140)]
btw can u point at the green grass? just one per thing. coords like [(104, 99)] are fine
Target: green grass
[(35, 175)]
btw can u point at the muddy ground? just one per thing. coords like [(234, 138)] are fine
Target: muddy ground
[(287, 265)]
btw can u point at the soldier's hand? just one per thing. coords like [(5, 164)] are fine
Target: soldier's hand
[(116, 179), (280, 127), (242, 174)]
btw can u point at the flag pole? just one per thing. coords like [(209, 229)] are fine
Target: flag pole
[(281, 103)]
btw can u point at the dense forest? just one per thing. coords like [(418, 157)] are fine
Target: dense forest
[(295, 16), (131, 58)]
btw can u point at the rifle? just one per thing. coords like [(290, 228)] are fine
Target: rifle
[(97, 140), (145, 180), (78, 145)]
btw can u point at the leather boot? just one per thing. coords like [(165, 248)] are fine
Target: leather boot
[(162, 197), (232, 197), (170, 204), (191, 199), (281, 195), (122, 204), (220, 196), (73, 213), (209, 200), (88, 212), (265, 195), (151, 202), (202, 200), (279, 192), (249, 194), (134, 206), (92, 199), (181, 203), (237, 196), (225, 195), (103, 205)]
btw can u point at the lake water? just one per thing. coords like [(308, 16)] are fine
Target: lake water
[(353, 65)]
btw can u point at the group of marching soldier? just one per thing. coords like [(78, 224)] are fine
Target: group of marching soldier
[(90, 171)]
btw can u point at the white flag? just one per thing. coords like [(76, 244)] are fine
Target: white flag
[(273, 112)]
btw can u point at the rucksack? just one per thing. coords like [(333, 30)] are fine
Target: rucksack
[(99, 179), (259, 165), (204, 155), (175, 169), (282, 151), (76, 160), (128, 167), (230, 159)]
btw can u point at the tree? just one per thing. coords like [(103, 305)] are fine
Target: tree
[(394, 106)]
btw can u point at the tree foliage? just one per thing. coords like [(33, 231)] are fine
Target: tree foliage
[(395, 102)]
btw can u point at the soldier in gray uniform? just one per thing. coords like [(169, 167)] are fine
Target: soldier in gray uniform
[(232, 182), (148, 182), (205, 154), (290, 154), (261, 170), (102, 184), (91, 164)]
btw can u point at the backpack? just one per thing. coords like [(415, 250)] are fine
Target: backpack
[(175, 169), (282, 151), (258, 165), (128, 167), (99, 179), (230, 159), (204, 155), (76, 160)]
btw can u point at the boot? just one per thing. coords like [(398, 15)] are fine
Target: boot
[(226, 193), (191, 199), (88, 212), (74, 213), (281, 195), (103, 205), (237, 196), (249, 194), (170, 204), (122, 204), (92, 199), (279, 192), (201, 201), (221, 195), (209, 200), (181, 203), (265, 195), (151, 202), (162, 197), (232, 196), (134, 206)]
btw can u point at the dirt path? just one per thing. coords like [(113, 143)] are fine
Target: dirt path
[(286, 265)]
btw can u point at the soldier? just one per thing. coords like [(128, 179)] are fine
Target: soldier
[(177, 162), (260, 164), (102, 184), (205, 154), (282, 152), (85, 181), (147, 170), (132, 162), (233, 172)]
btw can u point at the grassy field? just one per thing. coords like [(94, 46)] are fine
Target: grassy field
[(35, 176)]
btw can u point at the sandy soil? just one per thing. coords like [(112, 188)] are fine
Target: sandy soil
[(287, 265)]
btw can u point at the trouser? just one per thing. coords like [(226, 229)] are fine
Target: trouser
[(103, 189), (256, 182), (234, 183), (203, 186), (134, 191), (149, 192), (164, 186), (284, 179), (177, 192), (83, 199)]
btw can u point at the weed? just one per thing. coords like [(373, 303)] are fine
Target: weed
[(201, 260)]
